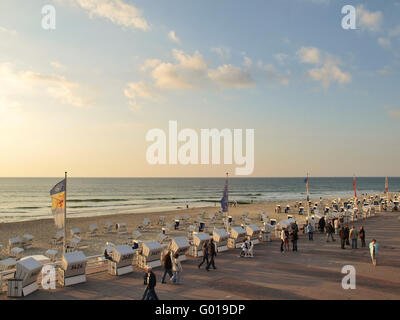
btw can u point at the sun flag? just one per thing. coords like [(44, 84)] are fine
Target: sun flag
[(308, 188), (387, 184), (355, 186), (224, 200), (58, 203)]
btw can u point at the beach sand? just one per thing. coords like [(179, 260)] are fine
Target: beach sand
[(44, 230)]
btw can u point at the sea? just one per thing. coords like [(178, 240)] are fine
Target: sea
[(24, 199)]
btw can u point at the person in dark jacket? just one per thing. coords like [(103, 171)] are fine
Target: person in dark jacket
[(342, 235), (347, 230), (167, 265), (321, 224), (212, 252), (205, 255), (294, 237), (361, 233), (151, 281), (329, 232)]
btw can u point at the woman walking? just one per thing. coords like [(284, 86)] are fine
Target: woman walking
[(205, 255), (361, 233), (176, 269)]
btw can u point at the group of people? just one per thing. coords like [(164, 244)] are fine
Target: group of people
[(346, 235), (247, 248), (287, 236)]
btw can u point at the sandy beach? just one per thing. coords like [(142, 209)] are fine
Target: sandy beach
[(44, 230)]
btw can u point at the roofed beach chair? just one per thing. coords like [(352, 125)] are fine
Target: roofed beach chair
[(245, 215), (121, 228), (27, 241), (93, 230), (14, 243), (146, 222), (108, 227), (162, 238), (58, 239), (161, 220), (211, 216), (73, 244), (75, 232), (51, 254), (186, 217), (17, 253)]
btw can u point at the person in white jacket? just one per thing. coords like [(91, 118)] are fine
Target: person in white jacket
[(373, 249), (176, 269)]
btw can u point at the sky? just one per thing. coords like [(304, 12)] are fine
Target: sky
[(82, 97)]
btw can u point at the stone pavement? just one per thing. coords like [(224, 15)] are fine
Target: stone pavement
[(314, 272)]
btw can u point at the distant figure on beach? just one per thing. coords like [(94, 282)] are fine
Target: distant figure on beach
[(342, 235), (310, 231), (373, 249), (353, 236), (294, 237), (151, 281), (167, 265), (361, 233), (321, 224), (205, 254), (176, 269), (212, 253), (329, 232)]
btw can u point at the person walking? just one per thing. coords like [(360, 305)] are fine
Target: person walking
[(342, 235), (282, 239), (205, 254), (336, 225), (176, 269), (347, 230), (150, 281), (329, 232), (373, 249), (287, 235), (212, 253), (245, 248), (321, 224), (353, 236), (310, 231), (361, 233), (294, 237), (167, 265)]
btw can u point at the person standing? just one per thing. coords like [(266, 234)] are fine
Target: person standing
[(373, 249), (361, 233), (245, 248), (310, 231), (287, 234), (353, 236), (212, 253), (176, 269), (342, 235), (205, 255), (150, 281), (347, 230), (336, 224), (329, 232), (294, 237), (321, 224), (282, 239), (167, 265)]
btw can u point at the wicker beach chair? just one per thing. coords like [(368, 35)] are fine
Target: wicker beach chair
[(27, 241), (58, 239), (75, 232), (108, 227), (93, 230), (121, 228)]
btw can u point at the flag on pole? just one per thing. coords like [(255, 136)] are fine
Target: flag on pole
[(386, 184), (308, 188), (58, 203), (224, 200), (354, 186)]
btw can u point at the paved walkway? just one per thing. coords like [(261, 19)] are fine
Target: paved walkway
[(314, 272)]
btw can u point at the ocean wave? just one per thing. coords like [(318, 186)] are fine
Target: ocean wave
[(96, 200)]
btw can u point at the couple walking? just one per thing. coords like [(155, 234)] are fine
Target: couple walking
[(209, 253), (172, 266)]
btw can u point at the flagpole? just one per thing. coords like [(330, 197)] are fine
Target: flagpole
[(308, 196), (227, 194), (65, 216)]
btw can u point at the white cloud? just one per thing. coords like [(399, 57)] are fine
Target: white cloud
[(173, 37), (329, 72), (230, 76), (17, 87), (273, 75), (247, 62), (8, 31), (150, 64), (281, 57), (117, 11), (223, 52), (368, 20), (57, 65), (309, 55), (139, 89)]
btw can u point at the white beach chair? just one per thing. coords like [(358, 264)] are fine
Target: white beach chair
[(75, 232), (186, 217), (27, 241), (58, 239), (161, 221), (245, 215), (108, 227), (93, 230), (51, 254), (146, 222), (73, 244), (17, 253), (14, 243)]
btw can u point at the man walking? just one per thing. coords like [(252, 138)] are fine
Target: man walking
[(205, 254), (353, 236), (321, 224), (361, 233), (329, 232), (294, 237), (347, 230), (310, 231), (151, 281), (342, 235), (167, 265), (212, 252)]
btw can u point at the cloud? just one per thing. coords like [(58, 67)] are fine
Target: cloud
[(273, 75), (368, 20), (116, 11), (393, 113), (173, 37), (139, 89), (8, 31), (223, 52), (230, 76), (19, 86), (328, 73), (150, 64), (57, 65), (309, 55), (281, 57), (247, 62)]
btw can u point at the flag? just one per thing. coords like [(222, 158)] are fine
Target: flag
[(58, 202), (224, 200), (386, 184), (355, 187), (308, 189)]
